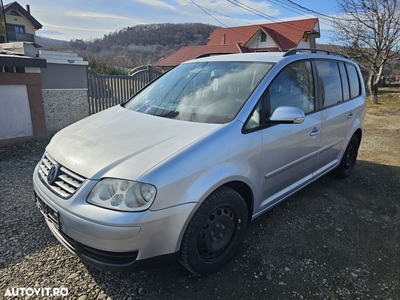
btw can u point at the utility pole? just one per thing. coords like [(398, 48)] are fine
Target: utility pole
[(3, 24)]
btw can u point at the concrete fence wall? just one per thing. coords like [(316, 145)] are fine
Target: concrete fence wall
[(64, 107), (64, 89)]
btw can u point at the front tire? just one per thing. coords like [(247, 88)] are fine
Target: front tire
[(346, 166), (215, 232)]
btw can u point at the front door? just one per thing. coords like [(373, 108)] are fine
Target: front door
[(290, 151)]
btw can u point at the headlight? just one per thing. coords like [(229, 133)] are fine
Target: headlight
[(122, 195)]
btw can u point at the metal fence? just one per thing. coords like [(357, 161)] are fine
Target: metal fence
[(105, 91)]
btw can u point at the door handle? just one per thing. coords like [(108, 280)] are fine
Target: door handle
[(350, 116), (315, 131)]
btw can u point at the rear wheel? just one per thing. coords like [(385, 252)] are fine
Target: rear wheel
[(349, 158), (215, 232)]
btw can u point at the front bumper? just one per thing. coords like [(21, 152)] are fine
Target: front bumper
[(109, 239), (111, 261)]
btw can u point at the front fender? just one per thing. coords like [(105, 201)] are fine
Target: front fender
[(197, 187), (204, 185), (216, 177), (193, 174)]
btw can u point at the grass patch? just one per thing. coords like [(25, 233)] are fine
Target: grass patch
[(386, 96)]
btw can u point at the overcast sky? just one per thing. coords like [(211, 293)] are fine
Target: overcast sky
[(90, 19)]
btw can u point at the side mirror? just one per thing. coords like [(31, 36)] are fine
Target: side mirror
[(288, 115)]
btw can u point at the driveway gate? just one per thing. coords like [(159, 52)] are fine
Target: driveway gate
[(105, 91)]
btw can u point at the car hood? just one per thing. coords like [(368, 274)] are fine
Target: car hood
[(122, 143)]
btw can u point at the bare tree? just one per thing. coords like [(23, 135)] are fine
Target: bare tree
[(371, 31)]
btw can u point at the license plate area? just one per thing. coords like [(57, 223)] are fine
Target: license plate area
[(49, 213)]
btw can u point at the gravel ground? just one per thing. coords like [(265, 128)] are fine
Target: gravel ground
[(336, 239)]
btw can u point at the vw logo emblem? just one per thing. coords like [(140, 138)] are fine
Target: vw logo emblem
[(53, 174)]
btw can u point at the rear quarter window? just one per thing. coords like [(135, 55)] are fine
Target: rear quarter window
[(354, 81)]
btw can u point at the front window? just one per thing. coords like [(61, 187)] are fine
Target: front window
[(208, 92), (294, 86)]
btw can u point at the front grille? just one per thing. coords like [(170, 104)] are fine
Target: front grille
[(66, 182)]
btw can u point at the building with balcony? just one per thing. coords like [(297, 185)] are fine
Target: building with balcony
[(21, 25)]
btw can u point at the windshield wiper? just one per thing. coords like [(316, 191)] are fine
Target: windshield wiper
[(171, 114)]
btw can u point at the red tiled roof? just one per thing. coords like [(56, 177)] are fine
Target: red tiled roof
[(286, 35), (191, 52)]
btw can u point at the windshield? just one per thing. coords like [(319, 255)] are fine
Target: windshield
[(208, 92)]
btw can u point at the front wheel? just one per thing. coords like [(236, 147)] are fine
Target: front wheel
[(346, 166), (215, 232)]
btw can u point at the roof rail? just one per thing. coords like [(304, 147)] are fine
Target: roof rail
[(212, 53), (312, 50)]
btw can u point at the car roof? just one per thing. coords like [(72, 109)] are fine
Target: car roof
[(272, 57), (242, 57)]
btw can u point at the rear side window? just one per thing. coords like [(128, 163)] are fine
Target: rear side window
[(345, 82), (354, 80), (330, 82)]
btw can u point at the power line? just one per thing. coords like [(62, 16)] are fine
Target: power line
[(216, 12), (295, 7), (308, 9), (208, 13), (204, 10), (252, 10), (261, 14), (290, 5)]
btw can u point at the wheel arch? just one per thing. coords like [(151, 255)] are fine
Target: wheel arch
[(247, 194), (216, 230), (242, 188), (358, 133)]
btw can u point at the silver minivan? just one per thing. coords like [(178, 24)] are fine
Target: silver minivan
[(180, 169)]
